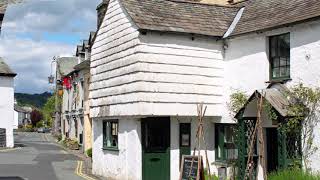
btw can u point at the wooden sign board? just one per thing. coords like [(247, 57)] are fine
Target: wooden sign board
[(189, 169)]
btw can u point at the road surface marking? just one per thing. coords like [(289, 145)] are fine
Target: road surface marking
[(46, 137), (78, 171), (8, 150), (64, 152)]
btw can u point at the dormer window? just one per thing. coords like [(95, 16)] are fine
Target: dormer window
[(279, 56)]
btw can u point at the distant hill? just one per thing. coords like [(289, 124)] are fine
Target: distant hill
[(36, 100)]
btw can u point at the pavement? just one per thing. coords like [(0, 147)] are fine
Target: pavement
[(38, 157)]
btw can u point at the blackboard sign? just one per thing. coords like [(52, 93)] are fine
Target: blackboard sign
[(189, 168)]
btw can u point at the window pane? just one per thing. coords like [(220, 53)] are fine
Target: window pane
[(229, 134), (280, 56), (272, 47), (276, 62), (110, 134), (275, 72), (283, 61), (283, 71)]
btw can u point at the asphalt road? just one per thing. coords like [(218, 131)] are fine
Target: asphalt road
[(38, 158)]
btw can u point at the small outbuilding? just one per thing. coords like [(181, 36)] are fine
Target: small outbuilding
[(7, 101)]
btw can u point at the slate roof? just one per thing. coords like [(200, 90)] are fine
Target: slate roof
[(82, 65), (66, 64), (79, 50), (276, 95), (85, 44), (92, 37), (265, 14), (3, 7), (19, 109), (5, 70), (213, 20), (180, 16)]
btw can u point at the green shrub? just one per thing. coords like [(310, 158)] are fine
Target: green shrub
[(28, 128), (292, 174), (59, 137), (71, 144), (39, 124), (209, 177), (89, 152)]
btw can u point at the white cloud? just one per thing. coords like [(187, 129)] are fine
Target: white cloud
[(24, 46), (32, 61), (51, 16)]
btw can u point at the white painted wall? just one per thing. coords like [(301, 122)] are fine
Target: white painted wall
[(7, 107), (209, 138), (16, 120), (247, 65), (125, 163)]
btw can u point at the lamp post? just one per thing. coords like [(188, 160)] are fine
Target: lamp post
[(57, 111), (51, 77)]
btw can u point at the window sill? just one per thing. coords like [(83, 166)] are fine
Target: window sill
[(220, 163), (281, 80), (110, 149)]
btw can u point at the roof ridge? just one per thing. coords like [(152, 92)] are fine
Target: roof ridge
[(205, 4)]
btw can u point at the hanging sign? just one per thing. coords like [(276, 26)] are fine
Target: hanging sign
[(190, 170), (67, 82)]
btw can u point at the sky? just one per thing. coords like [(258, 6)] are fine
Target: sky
[(37, 30)]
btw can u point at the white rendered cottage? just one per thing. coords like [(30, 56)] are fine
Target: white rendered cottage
[(281, 45), (7, 101), (153, 61), (146, 85)]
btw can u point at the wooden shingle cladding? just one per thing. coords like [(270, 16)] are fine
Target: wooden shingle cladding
[(114, 46), (136, 74)]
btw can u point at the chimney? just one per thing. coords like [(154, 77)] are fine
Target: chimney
[(101, 11)]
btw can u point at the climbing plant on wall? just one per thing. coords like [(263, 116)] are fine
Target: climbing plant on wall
[(237, 100), (303, 118), (299, 126), (295, 131)]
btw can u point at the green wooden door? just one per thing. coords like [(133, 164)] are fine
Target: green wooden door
[(155, 148), (185, 139)]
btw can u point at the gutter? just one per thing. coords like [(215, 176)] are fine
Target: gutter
[(8, 74)]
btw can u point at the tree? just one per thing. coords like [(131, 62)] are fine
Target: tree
[(35, 117), (48, 110)]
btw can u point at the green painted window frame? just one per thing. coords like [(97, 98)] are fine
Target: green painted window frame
[(110, 133), (223, 138), (279, 57)]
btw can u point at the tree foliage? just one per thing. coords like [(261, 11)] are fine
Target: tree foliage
[(48, 110), (34, 100), (35, 117), (237, 100)]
